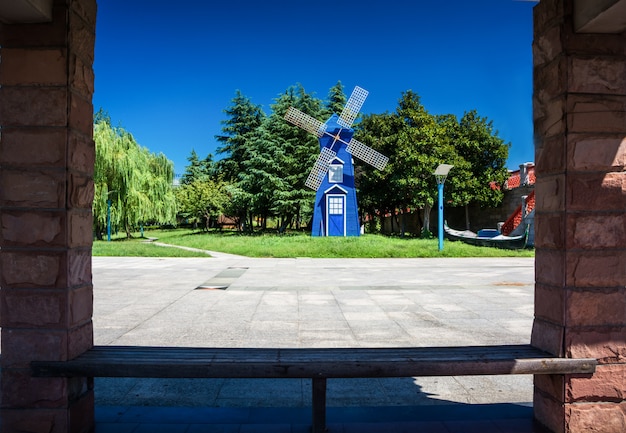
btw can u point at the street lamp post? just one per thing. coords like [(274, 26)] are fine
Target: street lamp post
[(109, 214), (440, 174)]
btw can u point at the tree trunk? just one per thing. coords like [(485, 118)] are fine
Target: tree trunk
[(426, 228), (467, 220)]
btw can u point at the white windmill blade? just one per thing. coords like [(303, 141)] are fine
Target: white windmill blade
[(306, 122), (367, 154), (316, 176), (353, 106)]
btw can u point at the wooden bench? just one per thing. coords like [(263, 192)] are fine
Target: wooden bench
[(316, 364)]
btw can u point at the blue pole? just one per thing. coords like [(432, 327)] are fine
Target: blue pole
[(440, 222), (109, 220)]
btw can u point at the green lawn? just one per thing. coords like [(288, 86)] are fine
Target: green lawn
[(292, 245)]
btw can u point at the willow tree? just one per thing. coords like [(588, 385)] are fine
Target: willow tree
[(130, 182)]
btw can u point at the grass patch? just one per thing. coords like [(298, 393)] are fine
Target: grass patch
[(296, 245)]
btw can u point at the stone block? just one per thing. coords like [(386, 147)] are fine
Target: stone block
[(81, 77), (80, 339), (549, 412), (27, 269), (550, 157), (547, 48), (33, 106), (82, 38), (34, 229), (80, 306), (596, 418), (86, 10), (79, 267), (549, 303), (33, 147), (549, 267), (549, 114), (24, 391), (80, 229), (550, 193), (34, 308), (593, 153), (596, 192), (39, 67), (81, 189), (606, 344), (598, 231), (33, 189), (549, 231), (596, 307), (82, 153), (552, 385), (82, 415), (608, 384), (598, 114), (21, 346), (81, 114), (595, 44), (551, 77), (547, 336), (597, 75), (596, 268), (34, 420)]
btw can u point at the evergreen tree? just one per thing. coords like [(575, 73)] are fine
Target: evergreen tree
[(244, 118), (198, 169), (336, 100)]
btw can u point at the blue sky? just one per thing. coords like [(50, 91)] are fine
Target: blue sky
[(166, 72)]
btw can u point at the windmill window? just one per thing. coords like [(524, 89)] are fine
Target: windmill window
[(335, 205), (335, 173)]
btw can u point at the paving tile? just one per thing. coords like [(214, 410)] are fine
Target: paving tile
[(213, 428), (161, 428), (265, 428), (116, 427)]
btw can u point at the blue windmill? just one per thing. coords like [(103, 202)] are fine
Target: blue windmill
[(332, 176)]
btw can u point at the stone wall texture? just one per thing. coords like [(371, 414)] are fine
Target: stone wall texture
[(46, 189), (580, 298)]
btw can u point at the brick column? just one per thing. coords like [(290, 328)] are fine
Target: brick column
[(46, 189), (580, 294)]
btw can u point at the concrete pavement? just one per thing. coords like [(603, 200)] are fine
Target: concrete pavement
[(232, 301)]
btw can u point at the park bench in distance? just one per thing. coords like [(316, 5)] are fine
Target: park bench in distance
[(313, 363)]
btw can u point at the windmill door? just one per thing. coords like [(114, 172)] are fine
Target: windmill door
[(336, 215)]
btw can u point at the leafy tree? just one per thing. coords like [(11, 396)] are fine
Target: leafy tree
[(409, 138), (137, 183), (202, 200), (417, 143)]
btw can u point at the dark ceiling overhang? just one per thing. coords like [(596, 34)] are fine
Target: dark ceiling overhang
[(25, 11), (600, 16), (590, 16)]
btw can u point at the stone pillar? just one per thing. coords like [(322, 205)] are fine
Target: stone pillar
[(580, 294), (46, 189)]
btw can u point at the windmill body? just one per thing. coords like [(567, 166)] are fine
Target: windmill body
[(336, 210), (332, 176)]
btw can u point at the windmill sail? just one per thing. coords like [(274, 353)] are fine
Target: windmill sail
[(345, 120), (306, 122), (316, 176), (353, 106), (367, 154)]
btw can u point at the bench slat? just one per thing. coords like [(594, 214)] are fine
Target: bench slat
[(180, 362)]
